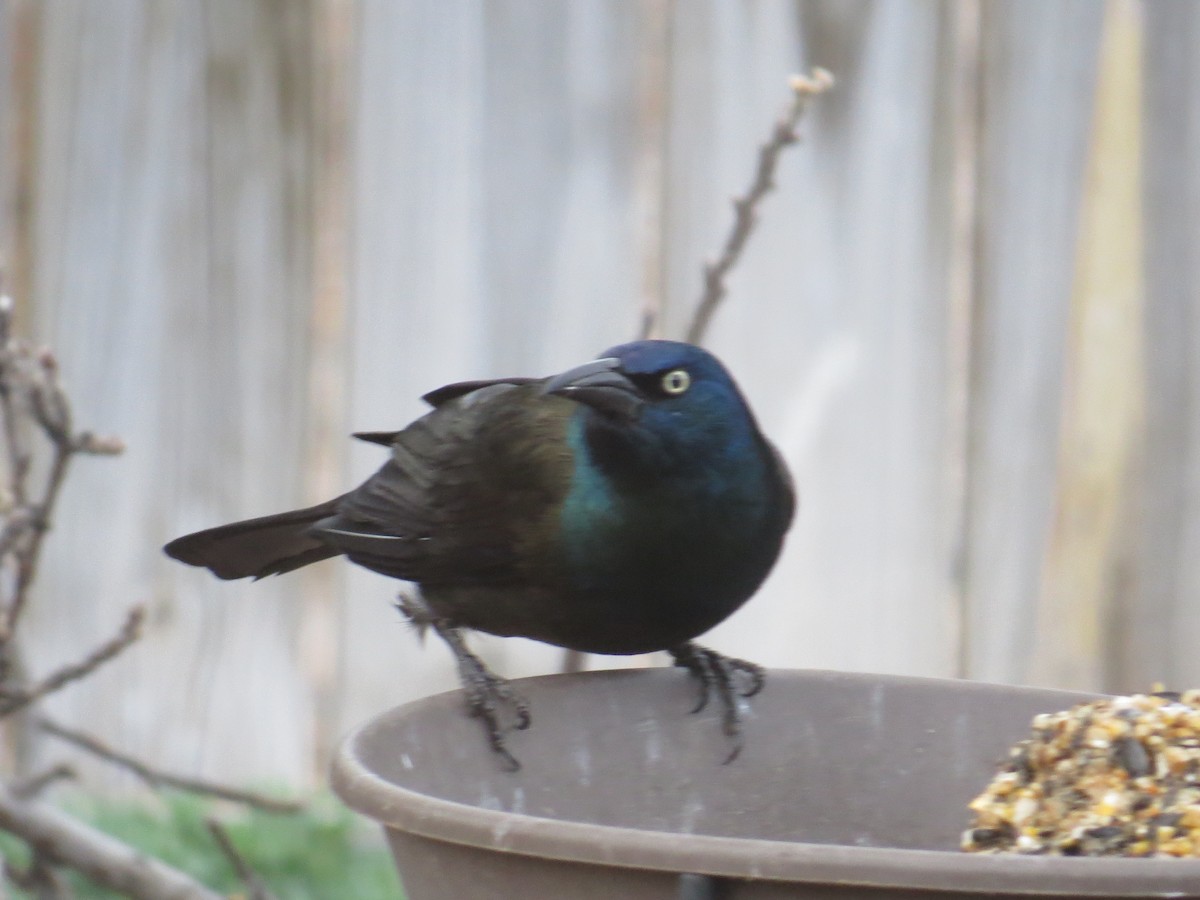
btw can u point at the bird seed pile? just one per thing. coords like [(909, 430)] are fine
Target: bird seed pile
[(1117, 777)]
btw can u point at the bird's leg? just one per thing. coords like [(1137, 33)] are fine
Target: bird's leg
[(721, 675), (485, 691)]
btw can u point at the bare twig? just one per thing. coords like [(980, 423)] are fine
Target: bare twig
[(30, 554), (30, 385), (254, 884), (745, 207), (17, 698), (33, 401), (98, 445), (104, 860), (157, 779), (20, 521), (745, 218), (39, 879), (29, 788), (48, 401), (17, 452)]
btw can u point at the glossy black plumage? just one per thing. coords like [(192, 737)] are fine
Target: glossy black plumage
[(621, 507)]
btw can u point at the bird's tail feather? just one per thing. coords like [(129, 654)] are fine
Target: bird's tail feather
[(270, 545)]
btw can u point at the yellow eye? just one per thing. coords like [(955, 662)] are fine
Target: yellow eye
[(676, 382)]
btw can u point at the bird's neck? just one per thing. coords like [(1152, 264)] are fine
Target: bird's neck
[(674, 542), (627, 476), (696, 453)]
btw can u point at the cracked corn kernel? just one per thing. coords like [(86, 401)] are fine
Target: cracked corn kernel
[(1116, 777)]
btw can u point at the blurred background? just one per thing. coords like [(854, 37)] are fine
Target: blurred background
[(968, 319)]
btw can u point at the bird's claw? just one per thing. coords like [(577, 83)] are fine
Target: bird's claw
[(486, 692), (720, 675)]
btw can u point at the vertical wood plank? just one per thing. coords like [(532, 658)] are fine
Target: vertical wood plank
[(1159, 623), (835, 322), (494, 214), (1039, 68), (219, 304), (21, 40), (174, 281), (321, 641), (1102, 391), (962, 24)]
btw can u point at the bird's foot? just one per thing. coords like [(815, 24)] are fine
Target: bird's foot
[(728, 678), (486, 693)]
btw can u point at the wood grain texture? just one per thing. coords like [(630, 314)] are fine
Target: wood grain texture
[(835, 319), (1088, 549), (256, 225), (1039, 65), (172, 280), (509, 130), (1159, 620)]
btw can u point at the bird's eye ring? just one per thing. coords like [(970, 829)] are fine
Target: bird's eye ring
[(676, 382)]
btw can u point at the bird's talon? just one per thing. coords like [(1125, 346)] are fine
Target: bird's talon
[(485, 691), (511, 764), (751, 673), (523, 717), (727, 678), (496, 739), (733, 753), (702, 683)]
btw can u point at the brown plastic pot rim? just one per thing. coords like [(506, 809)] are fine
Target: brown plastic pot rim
[(412, 812)]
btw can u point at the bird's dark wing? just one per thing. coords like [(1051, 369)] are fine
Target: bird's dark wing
[(436, 398), (445, 393), (470, 495)]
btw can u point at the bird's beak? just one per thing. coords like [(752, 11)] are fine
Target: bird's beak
[(600, 385)]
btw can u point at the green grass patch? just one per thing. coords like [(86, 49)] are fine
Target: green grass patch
[(321, 853)]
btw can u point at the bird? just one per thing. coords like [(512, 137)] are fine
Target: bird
[(625, 506)]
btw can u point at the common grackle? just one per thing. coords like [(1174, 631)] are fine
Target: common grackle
[(625, 506)]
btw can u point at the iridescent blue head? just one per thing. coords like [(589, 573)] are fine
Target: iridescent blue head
[(674, 403)]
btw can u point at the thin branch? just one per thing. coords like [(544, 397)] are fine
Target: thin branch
[(254, 884), (17, 452), (22, 697), (745, 218), (29, 788), (52, 412), (18, 523), (104, 860), (27, 559), (31, 396), (157, 779), (30, 388), (746, 207), (98, 445), (39, 879), (48, 401), (574, 661)]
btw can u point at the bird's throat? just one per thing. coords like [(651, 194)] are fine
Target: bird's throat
[(662, 547)]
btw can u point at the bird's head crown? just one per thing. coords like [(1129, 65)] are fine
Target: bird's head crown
[(670, 399)]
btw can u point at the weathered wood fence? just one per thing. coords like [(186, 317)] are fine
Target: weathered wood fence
[(969, 318)]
